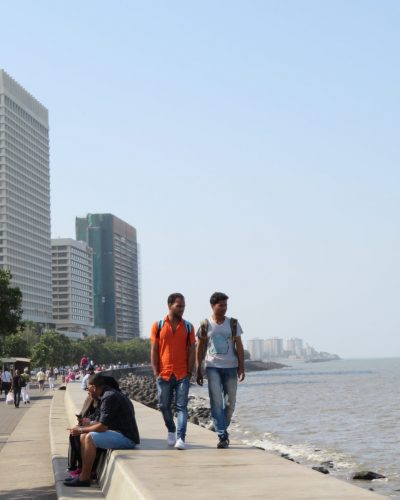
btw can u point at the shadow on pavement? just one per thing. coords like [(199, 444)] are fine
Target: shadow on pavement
[(44, 493)]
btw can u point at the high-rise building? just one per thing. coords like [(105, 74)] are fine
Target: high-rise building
[(256, 349), (25, 247), (273, 348), (295, 347), (72, 270), (115, 273)]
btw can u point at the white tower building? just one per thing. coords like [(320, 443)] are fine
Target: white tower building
[(256, 349), (72, 268), (25, 247)]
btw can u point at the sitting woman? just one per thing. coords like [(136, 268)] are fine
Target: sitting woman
[(89, 414)]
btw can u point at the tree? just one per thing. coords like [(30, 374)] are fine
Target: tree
[(15, 345), (10, 305), (246, 354), (54, 349)]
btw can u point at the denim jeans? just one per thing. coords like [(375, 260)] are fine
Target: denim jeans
[(166, 390), (17, 397), (222, 385)]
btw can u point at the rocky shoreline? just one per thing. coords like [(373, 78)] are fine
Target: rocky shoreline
[(142, 388)]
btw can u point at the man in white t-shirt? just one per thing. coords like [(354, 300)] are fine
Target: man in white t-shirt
[(219, 338), (6, 381)]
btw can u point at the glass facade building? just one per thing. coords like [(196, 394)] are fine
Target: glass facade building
[(25, 245), (115, 273)]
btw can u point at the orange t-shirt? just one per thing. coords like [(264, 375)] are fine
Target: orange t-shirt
[(173, 348)]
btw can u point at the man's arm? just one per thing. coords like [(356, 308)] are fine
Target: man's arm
[(240, 355), (199, 358), (155, 358)]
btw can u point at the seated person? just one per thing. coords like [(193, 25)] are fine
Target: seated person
[(116, 428), (89, 414)]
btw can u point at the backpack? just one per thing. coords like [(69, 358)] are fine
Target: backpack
[(204, 328), (204, 332), (188, 327)]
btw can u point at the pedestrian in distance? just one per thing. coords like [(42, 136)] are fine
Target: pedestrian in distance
[(16, 387), (51, 378), (84, 383), (26, 378), (6, 381), (41, 377), (172, 360), (220, 346), (83, 364)]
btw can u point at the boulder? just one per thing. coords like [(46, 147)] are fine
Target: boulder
[(321, 469), (367, 475)]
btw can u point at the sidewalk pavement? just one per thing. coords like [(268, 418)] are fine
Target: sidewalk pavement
[(25, 462)]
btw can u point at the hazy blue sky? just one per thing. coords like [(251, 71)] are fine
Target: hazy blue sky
[(253, 144)]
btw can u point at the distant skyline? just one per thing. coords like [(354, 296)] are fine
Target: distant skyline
[(253, 145)]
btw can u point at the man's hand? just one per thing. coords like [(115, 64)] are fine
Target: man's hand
[(199, 378), (241, 374)]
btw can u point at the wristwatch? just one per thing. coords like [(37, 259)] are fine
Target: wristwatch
[(80, 430)]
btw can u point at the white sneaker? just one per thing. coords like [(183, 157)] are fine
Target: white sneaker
[(171, 439), (180, 444)]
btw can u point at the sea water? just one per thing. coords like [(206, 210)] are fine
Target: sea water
[(345, 411)]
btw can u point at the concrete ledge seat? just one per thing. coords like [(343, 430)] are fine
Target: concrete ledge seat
[(155, 471)]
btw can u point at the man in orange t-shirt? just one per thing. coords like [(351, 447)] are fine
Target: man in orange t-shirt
[(172, 360)]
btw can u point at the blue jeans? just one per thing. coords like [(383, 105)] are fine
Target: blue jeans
[(112, 440), (222, 385), (166, 390)]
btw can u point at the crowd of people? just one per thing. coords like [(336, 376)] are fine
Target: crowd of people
[(107, 420), (16, 384)]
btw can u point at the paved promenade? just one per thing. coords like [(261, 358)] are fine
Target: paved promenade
[(155, 471), (25, 460)]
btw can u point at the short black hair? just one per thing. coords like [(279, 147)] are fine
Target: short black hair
[(172, 298), (217, 297), (97, 379)]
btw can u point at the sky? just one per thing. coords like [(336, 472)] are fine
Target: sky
[(254, 145)]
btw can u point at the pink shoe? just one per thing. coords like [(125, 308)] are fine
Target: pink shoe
[(75, 473)]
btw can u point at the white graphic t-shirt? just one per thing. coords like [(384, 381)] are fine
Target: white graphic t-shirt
[(220, 350)]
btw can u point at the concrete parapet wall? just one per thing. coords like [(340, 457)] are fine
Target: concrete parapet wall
[(155, 471)]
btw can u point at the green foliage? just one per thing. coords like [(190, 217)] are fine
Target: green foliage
[(246, 354), (15, 346), (53, 349), (103, 350), (30, 334), (10, 305)]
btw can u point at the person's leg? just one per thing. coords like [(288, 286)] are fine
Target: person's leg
[(182, 393), (229, 387), (164, 391), (17, 397), (216, 401), (23, 394), (88, 450), (7, 386)]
